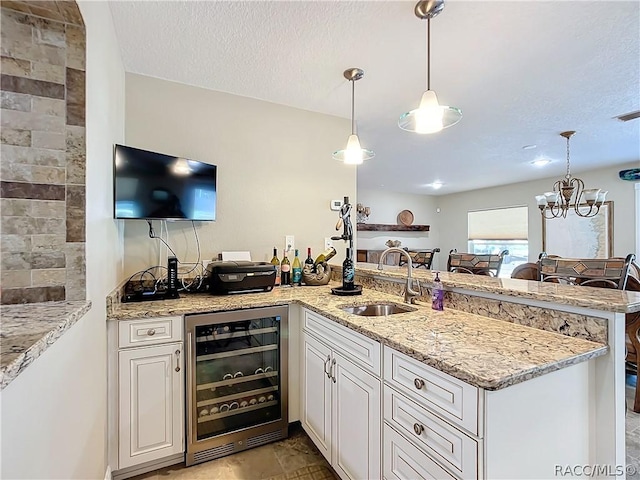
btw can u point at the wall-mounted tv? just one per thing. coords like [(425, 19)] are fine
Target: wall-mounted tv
[(149, 185)]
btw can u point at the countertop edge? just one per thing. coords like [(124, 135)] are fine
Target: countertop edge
[(11, 371)]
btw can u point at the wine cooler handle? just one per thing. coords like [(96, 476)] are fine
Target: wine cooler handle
[(333, 364), (178, 360), (190, 389), (326, 362)]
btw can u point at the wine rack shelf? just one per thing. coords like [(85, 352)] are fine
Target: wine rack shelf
[(379, 227)]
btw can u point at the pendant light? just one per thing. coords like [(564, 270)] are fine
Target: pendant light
[(569, 194), (430, 116), (354, 154)]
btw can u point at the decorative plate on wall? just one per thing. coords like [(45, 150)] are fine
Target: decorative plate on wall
[(405, 217)]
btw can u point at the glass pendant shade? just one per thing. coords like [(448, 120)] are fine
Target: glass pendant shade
[(354, 154), (430, 116)]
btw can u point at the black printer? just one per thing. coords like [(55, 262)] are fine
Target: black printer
[(240, 276)]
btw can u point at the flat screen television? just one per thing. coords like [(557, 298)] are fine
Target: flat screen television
[(149, 185)]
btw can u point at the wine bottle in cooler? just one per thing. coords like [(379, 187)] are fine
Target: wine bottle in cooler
[(296, 271), (275, 262), (285, 270)]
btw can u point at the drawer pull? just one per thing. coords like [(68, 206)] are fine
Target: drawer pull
[(419, 383), (177, 360), (151, 332), (418, 428)]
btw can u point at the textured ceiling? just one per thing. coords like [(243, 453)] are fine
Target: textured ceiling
[(521, 71)]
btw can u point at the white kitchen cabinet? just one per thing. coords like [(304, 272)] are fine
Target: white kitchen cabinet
[(151, 391), (341, 405), (146, 395)]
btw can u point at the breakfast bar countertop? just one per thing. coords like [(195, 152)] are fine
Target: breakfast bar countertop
[(27, 330), (605, 299), (491, 354)]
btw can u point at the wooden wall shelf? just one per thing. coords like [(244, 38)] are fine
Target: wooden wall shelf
[(377, 227)]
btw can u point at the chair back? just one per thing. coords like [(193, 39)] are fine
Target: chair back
[(420, 258), (526, 271), (588, 272), (476, 263)]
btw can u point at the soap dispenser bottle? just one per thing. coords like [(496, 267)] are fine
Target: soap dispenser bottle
[(437, 297)]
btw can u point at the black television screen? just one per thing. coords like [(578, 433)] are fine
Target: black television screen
[(152, 185)]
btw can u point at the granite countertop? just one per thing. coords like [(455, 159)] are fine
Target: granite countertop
[(487, 353), (27, 330), (605, 299)]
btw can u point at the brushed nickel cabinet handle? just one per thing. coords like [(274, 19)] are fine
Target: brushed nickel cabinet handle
[(151, 332), (178, 360), (326, 362), (419, 383), (418, 428), (333, 364)]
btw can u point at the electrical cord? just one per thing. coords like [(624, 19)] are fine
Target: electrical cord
[(152, 234)]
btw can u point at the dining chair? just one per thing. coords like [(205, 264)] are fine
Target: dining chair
[(420, 258), (476, 263), (587, 272)]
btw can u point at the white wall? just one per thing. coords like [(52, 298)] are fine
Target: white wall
[(385, 207), (454, 209), (275, 171), (54, 414)]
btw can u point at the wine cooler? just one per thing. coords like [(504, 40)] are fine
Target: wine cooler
[(236, 381)]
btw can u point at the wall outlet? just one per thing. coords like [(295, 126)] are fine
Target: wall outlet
[(335, 205), (328, 243), (289, 243)]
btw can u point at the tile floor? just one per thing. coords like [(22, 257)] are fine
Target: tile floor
[(297, 458), (294, 458)]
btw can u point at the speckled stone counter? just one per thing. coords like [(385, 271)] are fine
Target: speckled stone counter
[(604, 299), (487, 353), (27, 330)]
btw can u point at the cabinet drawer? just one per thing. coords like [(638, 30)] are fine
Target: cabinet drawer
[(404, 461), (448, 397), (149, 331), (449, 446), (362, 350)]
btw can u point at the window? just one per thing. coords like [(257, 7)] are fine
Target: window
[(491, 231)]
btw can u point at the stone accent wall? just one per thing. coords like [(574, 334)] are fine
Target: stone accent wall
[(43, 155)]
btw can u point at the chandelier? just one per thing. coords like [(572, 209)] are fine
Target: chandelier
[(430, 116), (570, 194)]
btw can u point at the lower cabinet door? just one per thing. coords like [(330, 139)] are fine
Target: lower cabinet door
[(356, 422), (151, 406), (404, 461), (316, 394)]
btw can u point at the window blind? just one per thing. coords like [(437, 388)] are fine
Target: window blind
[(510, 223)]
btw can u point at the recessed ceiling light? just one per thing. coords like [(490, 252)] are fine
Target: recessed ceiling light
[(436, 185), (541, 162), (529, 147)]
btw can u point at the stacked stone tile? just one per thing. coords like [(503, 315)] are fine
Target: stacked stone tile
[(43, 153)]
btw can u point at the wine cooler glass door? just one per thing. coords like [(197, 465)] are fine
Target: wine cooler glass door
[(238, 381)]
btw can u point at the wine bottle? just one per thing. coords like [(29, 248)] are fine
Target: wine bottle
[(285, 270), (309, 260), (325, 256), (276, 263), (348, 272), (296, 270)]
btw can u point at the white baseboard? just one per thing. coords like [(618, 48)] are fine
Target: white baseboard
[(107, 474)]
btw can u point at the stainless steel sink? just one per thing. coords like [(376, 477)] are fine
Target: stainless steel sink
[(377, 309)]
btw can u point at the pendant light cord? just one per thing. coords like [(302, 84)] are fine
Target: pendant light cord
[(353, 102), (428, 53)]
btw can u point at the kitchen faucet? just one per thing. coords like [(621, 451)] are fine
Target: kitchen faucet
[(409, 294)]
